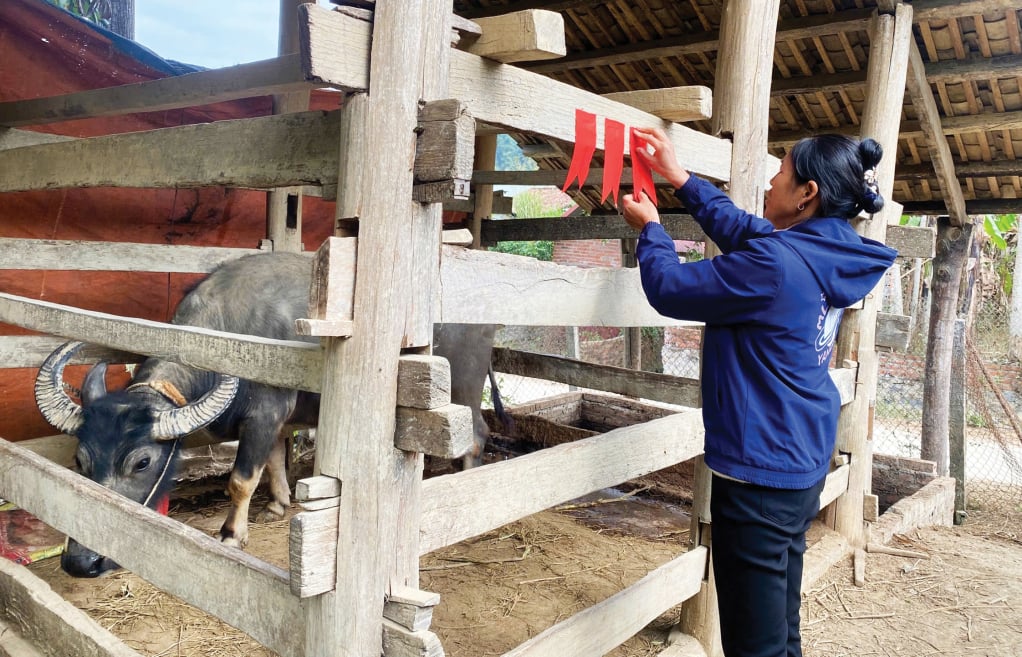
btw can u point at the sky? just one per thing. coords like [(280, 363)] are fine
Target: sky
[(210, 33)]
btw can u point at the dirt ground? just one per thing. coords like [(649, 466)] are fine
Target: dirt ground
[(964, 598)]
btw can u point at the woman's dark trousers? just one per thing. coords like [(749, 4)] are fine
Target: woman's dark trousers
[(759, 539)]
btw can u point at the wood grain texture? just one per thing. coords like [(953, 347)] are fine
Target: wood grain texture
[(466, 504), (602, 627), (277, 75), (487, 287), (270, 151), (44, 620), (144, 542), (284, 363)]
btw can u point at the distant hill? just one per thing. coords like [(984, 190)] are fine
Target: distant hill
[(510, 158)]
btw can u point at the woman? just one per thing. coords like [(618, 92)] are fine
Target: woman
[(772, 303)]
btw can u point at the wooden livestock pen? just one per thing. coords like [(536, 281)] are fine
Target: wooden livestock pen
[(353, 583)]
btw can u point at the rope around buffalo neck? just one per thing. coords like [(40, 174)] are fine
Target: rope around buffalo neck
[(166, 468), (169, 391)]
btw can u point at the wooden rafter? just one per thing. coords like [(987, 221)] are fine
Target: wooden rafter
[(929, 120), (808, 27), (954, 125)]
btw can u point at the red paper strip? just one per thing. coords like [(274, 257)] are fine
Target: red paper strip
[(614, 157), (642, 176), (585, 146)]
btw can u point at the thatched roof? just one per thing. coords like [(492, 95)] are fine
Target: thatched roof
[(971, 51)]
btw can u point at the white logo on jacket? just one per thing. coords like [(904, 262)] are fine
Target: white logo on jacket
[(827, 323)]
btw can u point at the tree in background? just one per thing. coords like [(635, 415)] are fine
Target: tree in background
[(118, 16), (1002, 246)]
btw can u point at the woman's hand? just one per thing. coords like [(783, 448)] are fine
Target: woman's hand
[(639, 212), (663, 159)]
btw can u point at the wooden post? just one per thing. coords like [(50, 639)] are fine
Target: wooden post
[(633, 334), (956, 419), (284, 205), (741, 110), (890, 38), (952, 254), (377, 542), (485, 159)]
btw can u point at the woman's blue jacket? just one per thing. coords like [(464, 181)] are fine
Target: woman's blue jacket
[(772, 304)]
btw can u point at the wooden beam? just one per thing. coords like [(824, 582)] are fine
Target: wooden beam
[(940, 153), (830, 548), (32, 350), (444, 151), (493, 93), (647, 385), (602, 627), (835, 486), (611, 226), (964, 170), (424, 381), (78, 255), (501, 203), (890, 44), (953, 125), (469, 503), (1004, 66), (621, 380), (946, 10), (893, 331), (973, 207), (554, 177), (145, 542), (14, 138), (284, 363), (284, 204), (680, 104), (475, 13), (486, 287), (520, 36), (399, 641), (40, 617), (844, 380), (803, 27), (262, 78), (911, 241), (271, 151), (444, 432)]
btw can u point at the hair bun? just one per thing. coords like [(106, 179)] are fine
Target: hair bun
[(870, 152)]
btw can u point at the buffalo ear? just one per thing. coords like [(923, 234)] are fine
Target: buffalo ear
[(94, 386)]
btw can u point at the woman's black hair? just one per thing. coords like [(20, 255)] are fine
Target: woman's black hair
[(844, 170)]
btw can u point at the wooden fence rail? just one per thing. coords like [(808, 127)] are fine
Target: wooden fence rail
[(242, 590)]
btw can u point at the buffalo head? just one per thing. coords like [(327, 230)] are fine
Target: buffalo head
[(127, 439)]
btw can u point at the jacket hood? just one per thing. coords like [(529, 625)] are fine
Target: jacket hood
[(847, 265)]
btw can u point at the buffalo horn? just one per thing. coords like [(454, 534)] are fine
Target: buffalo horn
[(56, 405), (182, 421)]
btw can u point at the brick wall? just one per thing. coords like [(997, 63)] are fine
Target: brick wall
[(896, 477), (912, 368), (588, 253)]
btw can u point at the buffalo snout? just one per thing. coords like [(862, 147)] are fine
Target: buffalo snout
[(79, 561)]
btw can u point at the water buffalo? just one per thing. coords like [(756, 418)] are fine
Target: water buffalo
[(127, 439)]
